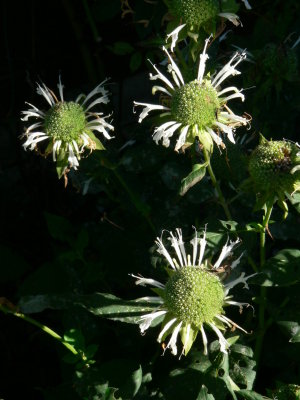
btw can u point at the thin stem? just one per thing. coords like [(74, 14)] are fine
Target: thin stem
[(216, 185), (263, 290), (44, 328)]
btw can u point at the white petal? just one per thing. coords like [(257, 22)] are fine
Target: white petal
[(237, 261), (173, 340), (147, 319), (231, 17), (147, 281), (226, 251), (234, 96), (148, 108), (174, 36), (194, 243), (202, 247), (226, 129), (174, 66), (96, 90), (162, 250), (204, 339), (44, 91), (247, 5), (161, 77), (214, 136), (229, 322), (203, 58), (165, 133), (223, 342), (165, 328), (182, 137), (160, 89), (235, 282), (60, 89)]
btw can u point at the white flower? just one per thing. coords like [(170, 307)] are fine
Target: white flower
[(197, 108), (194, 296), (68, 126)]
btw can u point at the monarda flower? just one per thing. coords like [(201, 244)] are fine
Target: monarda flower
[(194, 297), (67, 126), (198, 108), (274, 167), (197, 13)]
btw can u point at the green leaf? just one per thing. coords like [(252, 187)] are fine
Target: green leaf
[(204, 395), (121, 48), (100, 304), (251, 395), (59, 228), (192, 337), (291, 329), (194, 177), (99, 145), (281, 270), (135, 61)]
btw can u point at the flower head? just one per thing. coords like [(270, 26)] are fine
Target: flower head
[(198, 108), (274, 167), (194, 296), (67, 126), (197, 13)]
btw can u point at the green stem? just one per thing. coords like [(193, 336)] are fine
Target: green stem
[(44, 328), (263, 290), (216, 185)]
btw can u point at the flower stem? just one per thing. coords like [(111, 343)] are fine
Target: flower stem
[(44, 328), (216, 185), (263, 290)]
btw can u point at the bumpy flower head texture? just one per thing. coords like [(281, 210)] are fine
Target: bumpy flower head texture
[(275, 167), (67, 126), (196, 13), (197, 108), (194, 296)]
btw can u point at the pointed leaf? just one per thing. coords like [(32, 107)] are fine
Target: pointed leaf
[(194, 177)]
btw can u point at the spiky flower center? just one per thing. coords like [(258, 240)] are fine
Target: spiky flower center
[(195, 104), (195, 12), (65, 121), (194, 295), (271, 164)]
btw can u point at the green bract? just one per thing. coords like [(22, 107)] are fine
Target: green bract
[(195, 12), (195, 103), (194, 295), (274, 167), (65, 121)]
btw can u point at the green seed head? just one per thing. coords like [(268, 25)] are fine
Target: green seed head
[(271, 164), (195, 12), (65, 121), (194, 295), (195, 104)]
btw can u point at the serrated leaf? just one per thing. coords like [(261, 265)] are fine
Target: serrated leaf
[(194, 177)]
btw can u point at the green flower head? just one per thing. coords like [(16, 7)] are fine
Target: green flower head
[(275, 167), (67, 126), (194, 297)]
